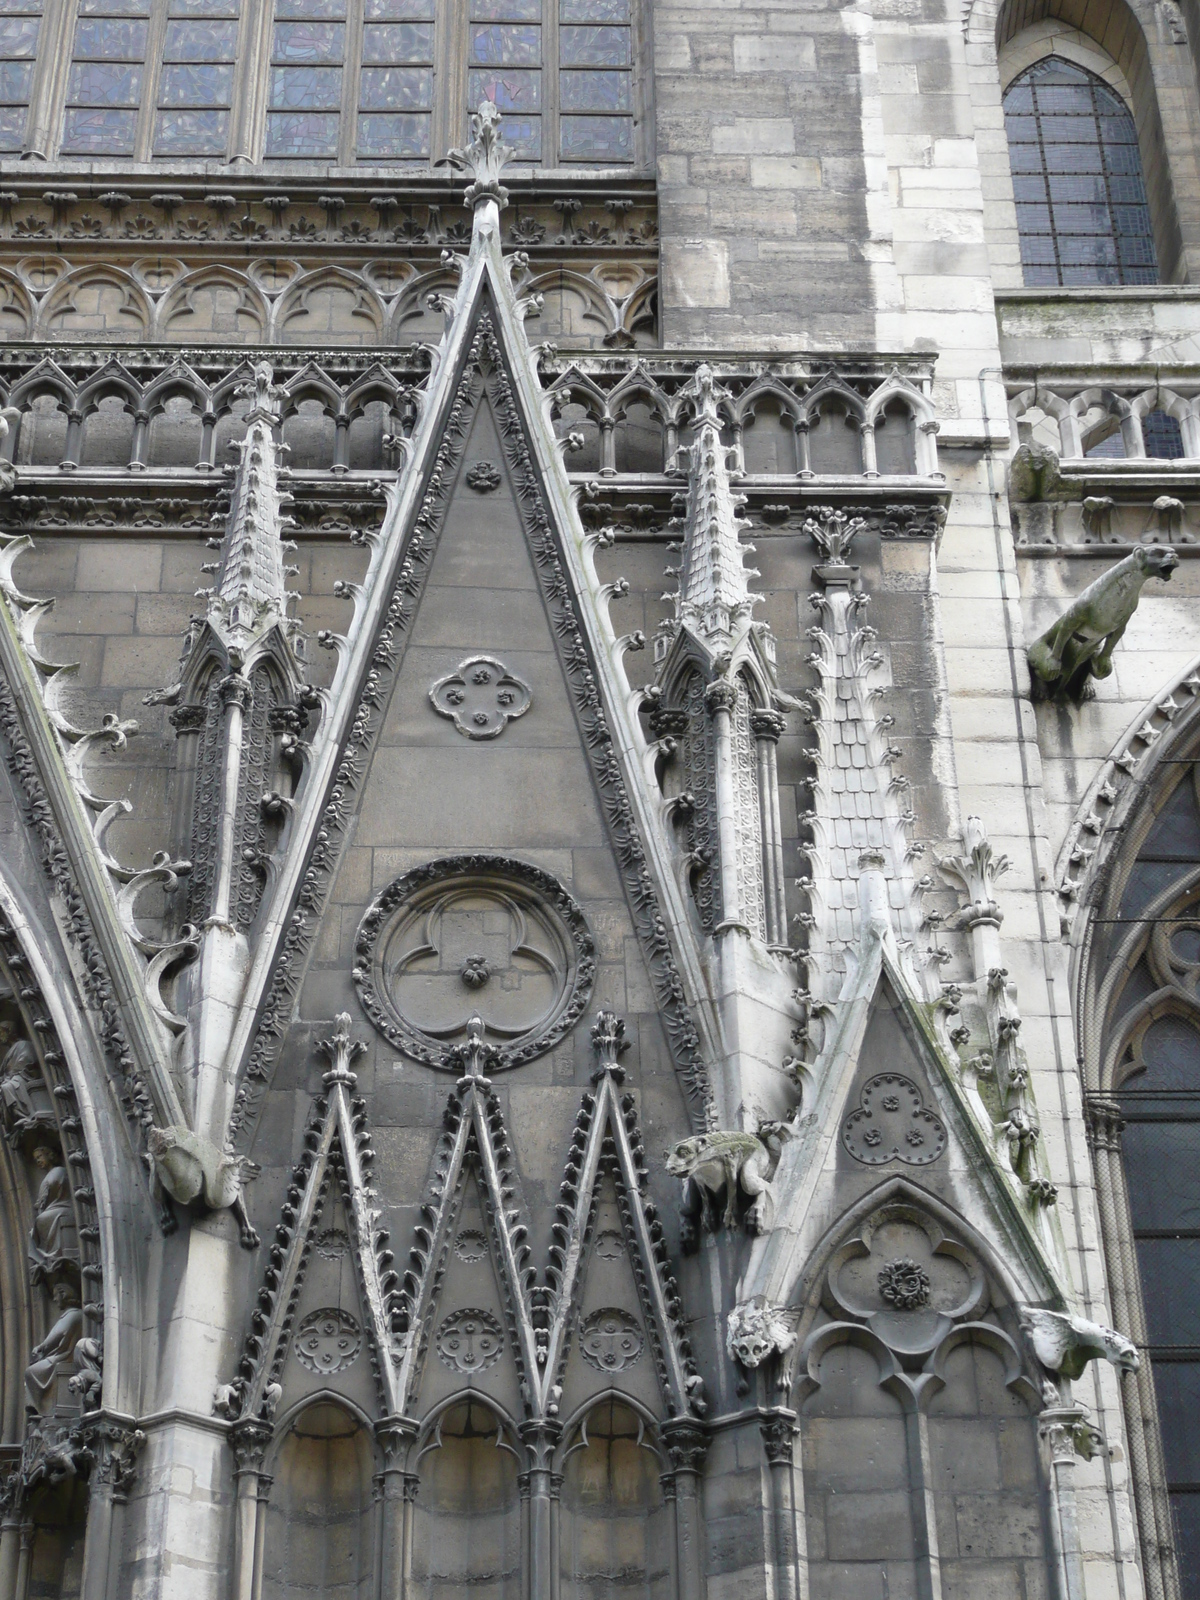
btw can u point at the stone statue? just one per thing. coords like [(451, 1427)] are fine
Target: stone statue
[(711, 1162), (1065, 1344), (19, 1072), (1080, 644), (53, 1233), (190, 1168), (753, 1332), (56, 1353), (88, 1382)]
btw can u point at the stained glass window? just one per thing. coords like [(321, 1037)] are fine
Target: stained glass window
[(20, 24), (595, 54), (395, 86), (195, 89), (1160, 1102), (1077, 179), (104, 89), (308, 54)]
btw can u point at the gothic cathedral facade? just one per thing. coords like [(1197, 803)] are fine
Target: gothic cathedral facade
[(600, 799)]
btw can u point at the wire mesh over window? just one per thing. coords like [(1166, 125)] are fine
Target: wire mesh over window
[(1077, 178)]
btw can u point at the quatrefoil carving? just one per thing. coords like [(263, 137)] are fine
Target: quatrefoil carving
[(481, 697)]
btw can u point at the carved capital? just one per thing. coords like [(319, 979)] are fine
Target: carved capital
[(1069, 1432), (395, 1434), (116, 1447), (779, 1437), (248, 1441), (767, 724), (1105, 1124), (540, 1439), (668, 722), (235, 691), (686, 1445), (721, 695), (187, 719)]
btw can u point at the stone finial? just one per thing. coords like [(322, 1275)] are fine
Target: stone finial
[(1080, 645), (483, 159), (250, 594), (713, 600), (975, 872)]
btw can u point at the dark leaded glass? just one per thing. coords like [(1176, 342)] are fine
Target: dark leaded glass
[(597, 139), (500, 45), (191, 133), (200, 41), (396, 88), (19, 36), (1093, 225), (594, 11), (302, 134), (400, 10), (396, 137), (506, 10), (306, 88), (1162, 436), (399, 41), (196, 86), (305, 42), (110, 8), (595, 91), (525, 136), (510, 89), (104, 83), (594, 47), (111, 39), (88, 132), (315, 10)]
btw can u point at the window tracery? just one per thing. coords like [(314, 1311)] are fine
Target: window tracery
[(1077, 178)]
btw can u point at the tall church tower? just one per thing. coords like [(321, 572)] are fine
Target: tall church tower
[(599, 800)]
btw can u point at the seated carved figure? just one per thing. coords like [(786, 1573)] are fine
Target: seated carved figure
[(20, 1077), (53, 1233), (1080, 644), (55, 1355)]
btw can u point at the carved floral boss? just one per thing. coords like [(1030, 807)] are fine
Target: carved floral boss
[(481, 697)]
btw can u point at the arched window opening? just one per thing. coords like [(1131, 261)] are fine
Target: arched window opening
[(895, 440), (575, 418), (1162, 436), (1105, 441), (834, 442), (639, 440), (1077, 179), (1145, 958), (366, 434), (43, 441), (467, 1517), (613, 1544), (318, 1532), (176, 434), (107, 434), (768, 439), (310, 434)]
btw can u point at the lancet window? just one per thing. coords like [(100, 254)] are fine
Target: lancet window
[(1077, 177)]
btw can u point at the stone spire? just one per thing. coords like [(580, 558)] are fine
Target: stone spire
[(713, 600), (249, 597)]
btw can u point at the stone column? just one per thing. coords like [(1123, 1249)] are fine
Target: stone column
[(1148, 1471), (779, 1445), (720, 699), (260, 1531), (24, 1561), (116, 1446), (767, 726), (687, 1445), (395, 1436), (540, 1439), (249, 1441), (1058, 1426)]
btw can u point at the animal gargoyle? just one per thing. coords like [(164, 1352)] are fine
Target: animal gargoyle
[(710, 1163), (1080, 645), (190, 1167)]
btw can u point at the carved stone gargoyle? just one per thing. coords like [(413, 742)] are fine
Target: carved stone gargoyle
[(190, 1168), (725, 1162), (1064, 1344), (1080, 645)]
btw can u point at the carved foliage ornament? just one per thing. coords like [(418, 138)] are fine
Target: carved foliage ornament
[(891, 1123), (474, 935), (481, 697)]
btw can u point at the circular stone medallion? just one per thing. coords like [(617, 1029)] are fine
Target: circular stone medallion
[(470, 1340), (610, 1340), (474, 936), (328, 1340)]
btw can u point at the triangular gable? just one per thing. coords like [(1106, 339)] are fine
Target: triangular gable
[(880, 1030), (337, 1151)]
